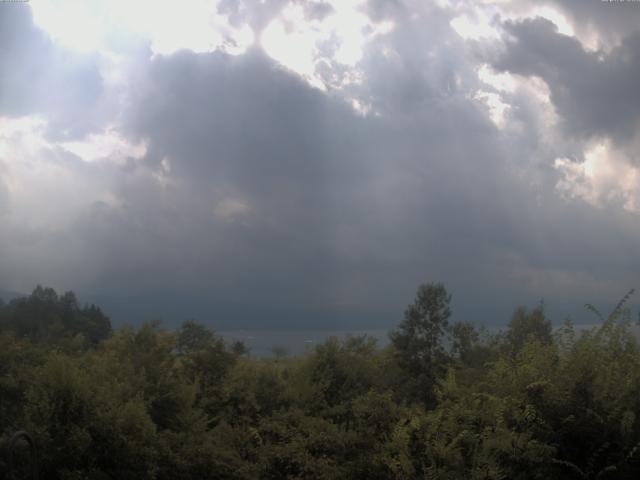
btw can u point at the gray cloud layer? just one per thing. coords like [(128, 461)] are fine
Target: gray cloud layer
[(269, 202), (37, 77), (594, 92)]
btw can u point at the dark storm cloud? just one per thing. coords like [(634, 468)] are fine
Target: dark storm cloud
[(595, 93), (270, 202), (335, 207), (242, 128), (341, 207), (242, 120), (40, 78)]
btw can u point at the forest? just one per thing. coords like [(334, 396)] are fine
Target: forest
[(444, 400)]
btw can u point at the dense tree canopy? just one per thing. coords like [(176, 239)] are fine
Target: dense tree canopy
[(45, 316), (148, 403), (418, 341)]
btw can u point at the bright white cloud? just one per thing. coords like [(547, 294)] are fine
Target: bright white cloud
[(292, 42), (296, 42), (503, 82), (475, 27), (290, 38), (46, 188), (497, 108), (169, 26), (556, 17), (605, 176), (108, 145), (477, 21), (537, 90), (25, 132), (74, 24)]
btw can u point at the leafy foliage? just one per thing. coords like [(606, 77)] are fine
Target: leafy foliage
[(440, 402), (44, 316), (418, 341)]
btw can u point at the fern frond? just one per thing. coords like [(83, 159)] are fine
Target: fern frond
[(623, 300), (606, 471), (572, 467), (595, 311), (597, 454)]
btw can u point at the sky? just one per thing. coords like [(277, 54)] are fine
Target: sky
[(307, 164)]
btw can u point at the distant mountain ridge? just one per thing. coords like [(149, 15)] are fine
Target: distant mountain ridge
[(8, 295), (222, 314)]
